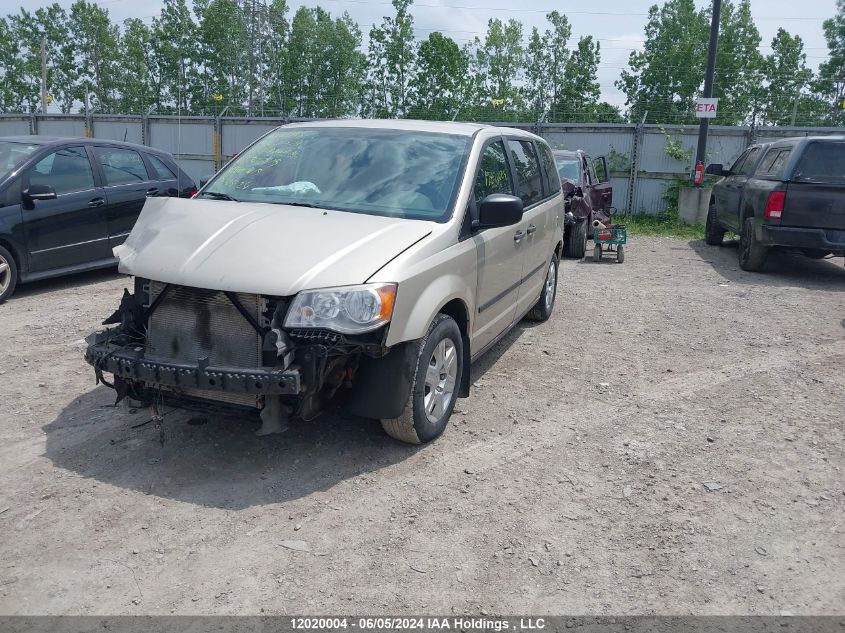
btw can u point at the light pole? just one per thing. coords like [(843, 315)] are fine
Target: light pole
[(708, 80)]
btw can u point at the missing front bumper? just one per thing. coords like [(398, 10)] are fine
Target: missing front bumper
[(129, 364)]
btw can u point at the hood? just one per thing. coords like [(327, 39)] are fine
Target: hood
[(261, 248)]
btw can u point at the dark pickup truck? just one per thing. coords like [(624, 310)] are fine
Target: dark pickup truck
[(790, 193)]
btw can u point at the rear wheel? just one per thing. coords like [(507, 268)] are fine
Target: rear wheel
[(713, 233), (545, 305), (434, 389), (8, 274), (575, 240), (620, 254), (752, 254)]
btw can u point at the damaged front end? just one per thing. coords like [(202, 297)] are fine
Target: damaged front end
[(199, 349)]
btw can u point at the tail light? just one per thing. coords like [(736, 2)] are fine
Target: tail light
[(774, 205)]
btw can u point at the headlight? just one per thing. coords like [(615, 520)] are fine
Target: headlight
[(347, 309)]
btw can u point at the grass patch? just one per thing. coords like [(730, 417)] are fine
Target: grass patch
[(666, 225)]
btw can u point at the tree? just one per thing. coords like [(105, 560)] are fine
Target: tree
[(785, 80), (98, 53), (498, 65), (738, 63), (665, 76), (391, 60), (138, 79), (831, 81), (278, 32), (438, 89), (224, 72), (10, 73), (175, 48), (579, 98)]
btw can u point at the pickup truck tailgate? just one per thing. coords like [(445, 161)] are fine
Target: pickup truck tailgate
[(814, 205), (815, 196)]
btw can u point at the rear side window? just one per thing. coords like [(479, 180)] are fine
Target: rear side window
[(550, 168), (121, 166), (494, 175), (529, 185), (822, 162), (67, 170), (774, 162), (162, 171)]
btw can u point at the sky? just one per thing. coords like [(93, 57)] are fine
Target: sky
[(617, 24)]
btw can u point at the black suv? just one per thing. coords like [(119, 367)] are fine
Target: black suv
[(790, 193), (65, 203)]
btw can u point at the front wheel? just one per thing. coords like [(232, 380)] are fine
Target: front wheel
[(8, 274), (575, 240), (434, 389), (713, 233), (597, 253), (542, 310), (752, 254), (620, 254)]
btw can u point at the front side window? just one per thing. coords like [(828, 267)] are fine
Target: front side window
[(494, 175), (67, 170), (121, 166), (528, 179), (394, 173), (569, 169), (744, 166)]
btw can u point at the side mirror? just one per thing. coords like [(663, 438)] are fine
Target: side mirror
[(716, 169), (499, 209), (39, 192)]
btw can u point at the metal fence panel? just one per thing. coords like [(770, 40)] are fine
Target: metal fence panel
[(61, 126), (237, 134), (129, 130), (188, 135), (14, 126)]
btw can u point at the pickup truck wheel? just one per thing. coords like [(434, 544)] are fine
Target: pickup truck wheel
[(713, 233), (752, 254), (575, 240), (813, 253), (545, 305), (8, 274), (434, 389)]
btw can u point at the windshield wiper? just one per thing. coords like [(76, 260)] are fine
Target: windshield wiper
[(310, 205), (217, 195)]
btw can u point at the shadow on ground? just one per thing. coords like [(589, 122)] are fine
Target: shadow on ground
[(76, 280), (783, 268), (217, 461)]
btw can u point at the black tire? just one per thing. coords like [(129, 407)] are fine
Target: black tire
[(545, 305), (752, 254), (597, 253), (575, 240), (620, 254), (813, 253), (8, 274), (714, 234), (414, 425)]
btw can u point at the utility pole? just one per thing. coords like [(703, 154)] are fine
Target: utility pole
[(43, 75), (708, 79)]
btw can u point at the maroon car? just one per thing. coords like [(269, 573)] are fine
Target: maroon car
[(589, 196)]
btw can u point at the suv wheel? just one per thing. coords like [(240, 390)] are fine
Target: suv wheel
[(545, 305), (752, 254), (434, 389), (713, 233), (575, 240), (8, 274)]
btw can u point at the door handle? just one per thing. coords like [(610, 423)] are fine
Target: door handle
[(531, 229), (96, 202), (153, 191), (517, 237)]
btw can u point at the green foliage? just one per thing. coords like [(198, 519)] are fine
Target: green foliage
[(665, 225), (618, 161), (439, 87), (831, 81), (391, 59), (675, 149)]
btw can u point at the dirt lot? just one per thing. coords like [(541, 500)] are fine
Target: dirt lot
[(572, 481)]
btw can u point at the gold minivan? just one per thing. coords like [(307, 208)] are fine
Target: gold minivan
[(353, 264)]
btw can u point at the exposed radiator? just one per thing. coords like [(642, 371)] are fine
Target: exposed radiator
[(192, 323)]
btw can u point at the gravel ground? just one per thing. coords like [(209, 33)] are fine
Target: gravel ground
[(574, 479)]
